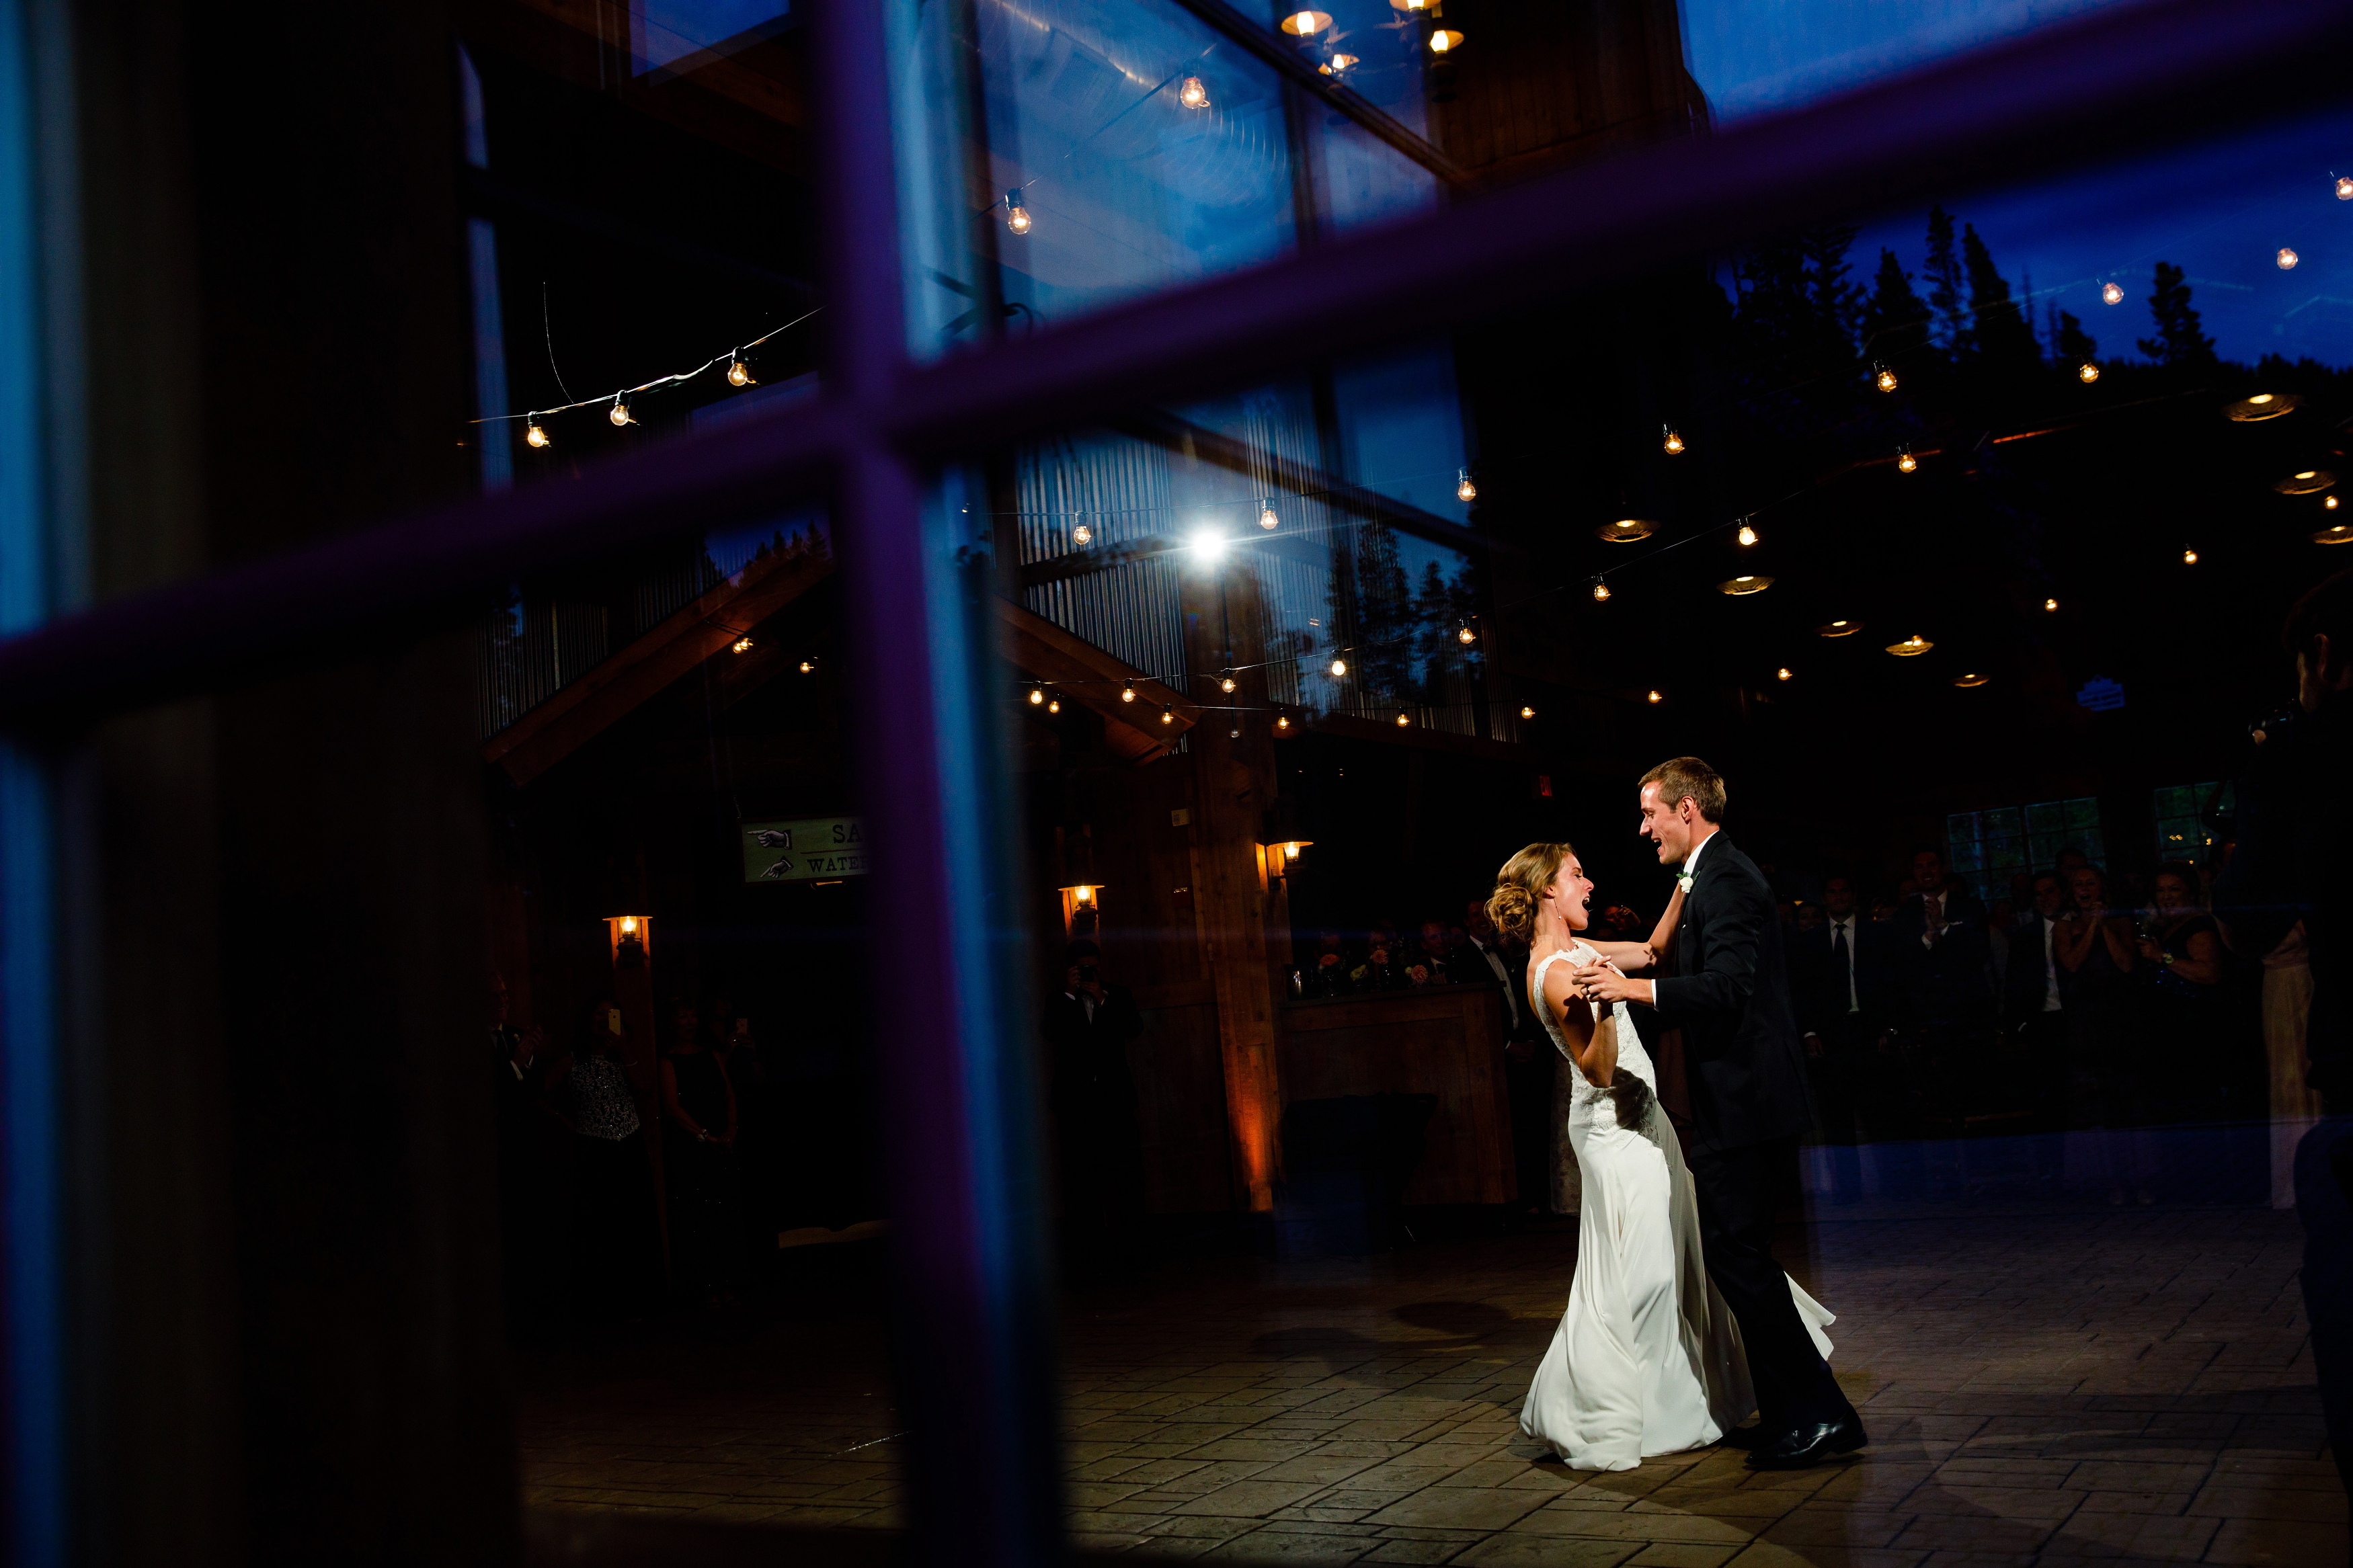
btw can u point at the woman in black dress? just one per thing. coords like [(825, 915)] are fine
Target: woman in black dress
[(2115, 1078), (706, 1235), (2181, 954)]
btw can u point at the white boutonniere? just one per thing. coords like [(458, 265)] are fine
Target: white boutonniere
[(1684, 882)]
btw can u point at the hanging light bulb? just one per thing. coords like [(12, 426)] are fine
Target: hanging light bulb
[(2344, 187), (806, 667), (1266, 518), (534, 434), (2331, 503), (741, 645), (1748, 534), (1463, 488), (2189, 558), (2112, 293), (2087, 372), (1443, 40), (1403, 720), (1226, 683), (1908, 462), (1081, 534), (1282, 720), (1782, 674), (1464, 634), (1527, 712), (1127, 692), (1016, 216), (1305, 23), (1600, 591), (1054, 703), (2288, 259), (1192, 94), (619, 413), (739, 373), (1674, 443), (2050, 604), (1036, 696), (1169, 712), (1339, 668), (1884, 380), (1657, 697)]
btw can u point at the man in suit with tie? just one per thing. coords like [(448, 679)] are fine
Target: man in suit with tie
[(1527, 1071), (2031, 1006), (1839, 969), (1726, 988)]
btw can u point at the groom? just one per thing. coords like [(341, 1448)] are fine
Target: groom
[(1724, 986)]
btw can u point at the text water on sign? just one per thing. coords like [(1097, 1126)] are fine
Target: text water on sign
[(805, 849)]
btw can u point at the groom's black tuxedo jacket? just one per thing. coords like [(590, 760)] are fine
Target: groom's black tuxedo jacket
[(1727, 988)]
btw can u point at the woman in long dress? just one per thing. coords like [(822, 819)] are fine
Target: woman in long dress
[(1647, 1358)]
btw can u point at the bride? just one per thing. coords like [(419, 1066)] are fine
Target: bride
[(1647, 1358)]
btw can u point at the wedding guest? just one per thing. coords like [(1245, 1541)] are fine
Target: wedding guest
[(2096, 957), (2033, 1008), (1327, 973), (1382, 970), (2182, 955), (1431, 953), (1098, 1129), (1839, 985), (616, 1242), (699, 1161), (1944, 967)]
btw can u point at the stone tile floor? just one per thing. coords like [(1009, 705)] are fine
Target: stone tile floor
[(2042, 1386)]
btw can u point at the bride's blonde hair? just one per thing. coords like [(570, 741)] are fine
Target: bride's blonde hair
[(1521, 884)]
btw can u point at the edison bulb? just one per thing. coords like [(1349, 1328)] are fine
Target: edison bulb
[(2112, 293), (1127, 692), (1267, 520), (1282, 720), (2050, 604), (739, 373), (2189, 558), (1403, 720), (1527, 712), (1748, 534), (1169, 712), (2288, 259), (1053, 705), (1884, 380), (1463, 488), (1037, 697), (1600, 591), (1674, 442), (1441, 39), (1016, 216), (1657, 696), (1782, 673), (2331, 503), (2344, 187), (742, 644), (2087, 372), (535, 436), (1227, 684), (1193, 95), (1465, 636), (619, 413), (1908, 462), (806, 667), (1080, 534), (1339, 668)]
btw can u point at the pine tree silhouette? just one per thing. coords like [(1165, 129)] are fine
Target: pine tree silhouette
[(2178, 342), (1999, 331), (2070, 344), (1949, 323), (1895, 319)]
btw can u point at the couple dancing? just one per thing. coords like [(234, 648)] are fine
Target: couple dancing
[(1679, 1321)]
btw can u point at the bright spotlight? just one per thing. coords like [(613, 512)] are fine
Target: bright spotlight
[(1208, 545)]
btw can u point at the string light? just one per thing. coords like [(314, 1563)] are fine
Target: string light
[(1226, 683), (1282, 720), (1169, 712), (1054, 703), (2112, 293), (1782, 673), (2051, 604), (1907, 463), (1884, 380), (1672, 443), (1403, 720), (2189, 558), (1527, 712), (1442, 39), (1339, 668), (1748, 534), (1600, 592), (2331, 503), (1657, 697), (1016, 216), (1036, 696), (1193, 95), (2288, 259), (1911, 646), (1081, 535), (738, 372), (1464, 489), (534, 434), (2344, 187), (2087, 372), (1266, 518), (807, 666), (619, 413), (1127, 692), (741, 645), (1464, 634)]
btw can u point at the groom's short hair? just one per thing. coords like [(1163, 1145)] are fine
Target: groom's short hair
[(1680, 776)]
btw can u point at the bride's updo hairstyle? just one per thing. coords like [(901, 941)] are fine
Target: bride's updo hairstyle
[(1520, 885)]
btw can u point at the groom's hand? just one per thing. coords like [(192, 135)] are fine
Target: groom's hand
[(1600, 983)]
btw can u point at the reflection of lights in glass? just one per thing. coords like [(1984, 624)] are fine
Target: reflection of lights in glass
[(2087, 372), (2288, 259), (1748, 534), (1463, 488), (1442, 39), (1674, 443), (1884, 380), (1193, 95), (2112, 293), (1306, 24), (1016, 216), (1908, 462), (1338, 63)]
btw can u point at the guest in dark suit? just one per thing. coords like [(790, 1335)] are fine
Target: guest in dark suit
[(1838, 972), (1529, 1060), (2034, 999), (1098, 1131), (1725, 987), (1944, 969)]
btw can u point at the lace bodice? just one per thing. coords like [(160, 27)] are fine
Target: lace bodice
[(1632, 1057)]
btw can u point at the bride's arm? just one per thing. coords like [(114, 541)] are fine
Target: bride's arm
[(1594, 1050), (1633, 957)]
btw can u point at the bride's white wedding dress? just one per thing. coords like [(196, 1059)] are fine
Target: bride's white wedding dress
[(1647, 1359)]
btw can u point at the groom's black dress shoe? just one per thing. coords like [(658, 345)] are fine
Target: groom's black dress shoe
[(1808, 1445)]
